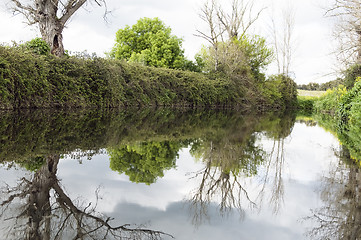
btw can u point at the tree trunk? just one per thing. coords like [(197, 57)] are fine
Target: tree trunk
[(51, 27), (51, 33), (39, 206)]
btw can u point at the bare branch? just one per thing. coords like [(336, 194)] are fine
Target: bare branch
[(70, 9), (347, 29)]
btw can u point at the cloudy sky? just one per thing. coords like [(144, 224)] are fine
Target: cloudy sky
[(312, 62)]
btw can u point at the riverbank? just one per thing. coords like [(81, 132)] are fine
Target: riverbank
[(28, 80), (339, 111)]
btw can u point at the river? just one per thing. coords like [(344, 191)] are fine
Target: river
[(187, 174)]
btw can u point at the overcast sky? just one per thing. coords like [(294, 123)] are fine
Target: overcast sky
[(313, 60)]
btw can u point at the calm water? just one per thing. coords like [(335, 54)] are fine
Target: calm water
[(189, 174)]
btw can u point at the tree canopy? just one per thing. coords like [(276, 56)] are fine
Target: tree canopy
[(146, 161), (151, 43)]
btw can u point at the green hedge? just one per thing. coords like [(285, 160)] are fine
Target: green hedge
[(31, 80), (28, 80), (344, 109)]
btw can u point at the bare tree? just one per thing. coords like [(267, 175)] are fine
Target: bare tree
[(45, 211), (209, 15), (282, 34), (224, 26), (242, 17), (51, 17), (347, 14)]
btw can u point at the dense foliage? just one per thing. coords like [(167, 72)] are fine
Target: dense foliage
[(235, 57), (280, 90), (343, 107), (146, 161), (329, 102), (350, 75), (258, 54), (306, 103), (151, 43), (29, 80), (243, 61), (142, 143), (38, 46)]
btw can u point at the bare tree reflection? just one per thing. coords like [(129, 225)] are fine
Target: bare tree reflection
[(40, 209), (340, 217), (230, 159), (274, 164), (225, 165)]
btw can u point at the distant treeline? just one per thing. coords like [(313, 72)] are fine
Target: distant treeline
[(32, 80), (320, 87), (348, 80)]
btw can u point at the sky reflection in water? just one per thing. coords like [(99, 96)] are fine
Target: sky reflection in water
[(164, 205), (267, 200)]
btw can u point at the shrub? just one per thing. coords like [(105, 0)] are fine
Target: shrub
[(350, 108), (280, 91), (38, 46), (329, 102), (351, 74), (306, 103)]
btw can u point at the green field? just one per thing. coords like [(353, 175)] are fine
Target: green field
[(306, 93)]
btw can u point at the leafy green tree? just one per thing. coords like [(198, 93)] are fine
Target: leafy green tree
[(258, 54), (284, 90), (146, 161), (151, 43)]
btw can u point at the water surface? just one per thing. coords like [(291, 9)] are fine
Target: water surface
[(189, 174)]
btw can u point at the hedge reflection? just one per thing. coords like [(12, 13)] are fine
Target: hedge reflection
[(144, 144)]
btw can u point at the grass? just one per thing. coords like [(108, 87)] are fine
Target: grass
[(306, 93)]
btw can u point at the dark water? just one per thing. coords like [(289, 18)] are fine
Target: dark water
[(188, 174)]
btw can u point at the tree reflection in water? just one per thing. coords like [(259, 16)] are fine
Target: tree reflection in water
[(274, 163), (45, 211), (142, 145), (340, 217), (230, 159)]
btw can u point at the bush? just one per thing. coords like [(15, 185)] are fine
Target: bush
[(329, 102), (280, 91), (306, 103), (28, 80), (38, 46), (350, 76), (350, 108)]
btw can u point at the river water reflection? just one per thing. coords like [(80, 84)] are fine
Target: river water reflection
[(189, 174)]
